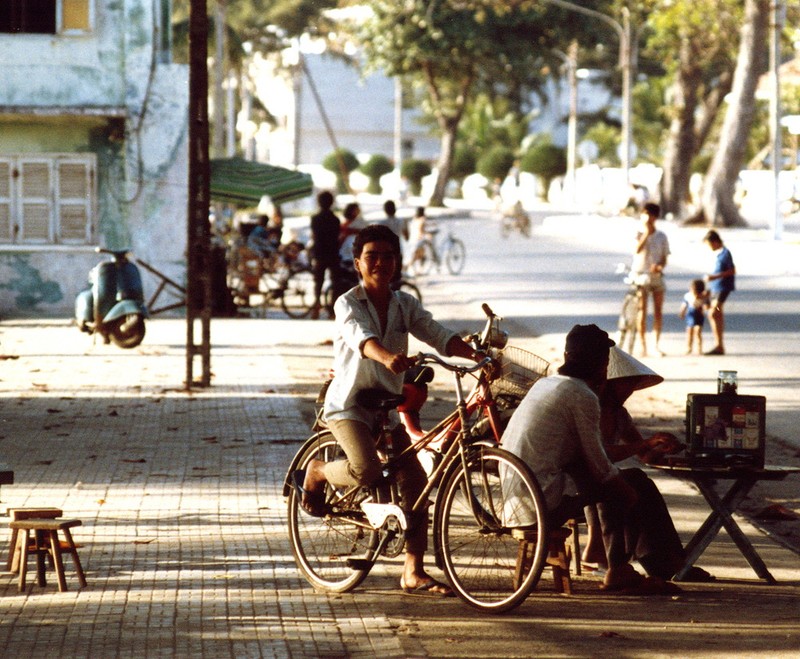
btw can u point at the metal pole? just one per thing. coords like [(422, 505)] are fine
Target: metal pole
[(626, 57), (627, 60), (398, 128), (570, 61), (777, 19)]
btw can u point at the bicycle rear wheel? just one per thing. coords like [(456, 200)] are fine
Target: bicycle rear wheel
[(455, 254), (298, 295), (408, 287), (492, 530), (324, 546), (423, 259)]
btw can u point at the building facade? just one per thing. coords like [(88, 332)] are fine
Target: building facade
[(93, 145)]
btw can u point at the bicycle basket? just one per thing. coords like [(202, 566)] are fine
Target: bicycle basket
[(519, 369)]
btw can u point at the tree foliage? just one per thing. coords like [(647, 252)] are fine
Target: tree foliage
[(341, 162), (378, 165), (414, 171), (454, 49)]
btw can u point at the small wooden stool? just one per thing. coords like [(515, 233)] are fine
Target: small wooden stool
[(46, 530), (12, 562), (559, 556)]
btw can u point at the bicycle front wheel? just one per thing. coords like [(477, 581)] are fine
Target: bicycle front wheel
[(492, 530), (455, 255), (408, 287), (298, 295), (333, 553)]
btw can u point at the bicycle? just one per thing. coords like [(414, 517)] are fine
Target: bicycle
[(515, 219), (628, 321), (449, 250), (486, 506)]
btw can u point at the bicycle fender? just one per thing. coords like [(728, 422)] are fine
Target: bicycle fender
[(287, 482)]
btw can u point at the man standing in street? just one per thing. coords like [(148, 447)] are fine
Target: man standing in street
[(721, 282), (649, 261), (325, 227)]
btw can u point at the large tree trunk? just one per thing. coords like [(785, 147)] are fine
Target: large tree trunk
[(719, 208), (681, 147), (449, 128)]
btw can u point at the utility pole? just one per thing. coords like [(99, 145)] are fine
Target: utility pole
[(777, 18), (198, 288)]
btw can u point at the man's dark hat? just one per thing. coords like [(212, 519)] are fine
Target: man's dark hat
[(587, 339)]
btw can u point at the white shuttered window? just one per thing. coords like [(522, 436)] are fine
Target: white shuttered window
[(47, 199)]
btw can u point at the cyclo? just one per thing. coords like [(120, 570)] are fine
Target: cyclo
[(488, 509)]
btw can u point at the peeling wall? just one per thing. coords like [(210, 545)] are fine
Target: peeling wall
[(106, 93)]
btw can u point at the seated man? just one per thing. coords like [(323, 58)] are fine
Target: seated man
[(556, 430)]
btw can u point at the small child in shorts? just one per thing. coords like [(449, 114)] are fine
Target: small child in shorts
[(693, 311)]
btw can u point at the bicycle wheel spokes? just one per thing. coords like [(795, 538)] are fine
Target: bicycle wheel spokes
[(324, 547), (492, 533), (298, 295), (423, 259), (455, 256)]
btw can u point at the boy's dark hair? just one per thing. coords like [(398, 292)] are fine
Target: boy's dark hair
[(389, 208), (421, 211), (351, 211), (698, 286), (712, 237), (654, 210), (325, 200), (373, 233)]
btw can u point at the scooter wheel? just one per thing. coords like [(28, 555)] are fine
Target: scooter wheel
[(127, 331)]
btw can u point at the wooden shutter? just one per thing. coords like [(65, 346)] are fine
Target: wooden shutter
[(36, 205), (75, 16), (6, 224), (74, 201)]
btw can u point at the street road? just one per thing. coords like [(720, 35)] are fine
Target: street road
[(565, 274)]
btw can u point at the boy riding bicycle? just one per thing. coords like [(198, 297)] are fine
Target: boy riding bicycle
[(370, 351)]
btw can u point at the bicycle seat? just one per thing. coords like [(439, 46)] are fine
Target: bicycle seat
[(378, 399)]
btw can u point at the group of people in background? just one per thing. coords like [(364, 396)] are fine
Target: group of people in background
[(705, 298)]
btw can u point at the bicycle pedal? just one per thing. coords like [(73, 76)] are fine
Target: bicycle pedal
[(359, 564)]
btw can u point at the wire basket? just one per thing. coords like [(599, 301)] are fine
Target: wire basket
[(519, 369)]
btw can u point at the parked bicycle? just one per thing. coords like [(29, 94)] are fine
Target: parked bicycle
[(430, 251), (487, 503)]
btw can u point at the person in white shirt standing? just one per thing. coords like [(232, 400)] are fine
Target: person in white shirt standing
[(649, 261)]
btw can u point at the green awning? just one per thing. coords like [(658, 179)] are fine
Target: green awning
[(239, 181)]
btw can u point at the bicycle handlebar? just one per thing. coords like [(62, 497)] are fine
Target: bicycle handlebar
[(425, 358)]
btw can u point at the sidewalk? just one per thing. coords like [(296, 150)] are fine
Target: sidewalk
[(184, 540)]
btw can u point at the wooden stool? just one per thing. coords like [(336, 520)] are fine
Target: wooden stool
[(12, 562), (559, 556), (46, 530)]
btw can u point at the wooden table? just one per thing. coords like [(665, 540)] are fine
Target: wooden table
[(722, 508)]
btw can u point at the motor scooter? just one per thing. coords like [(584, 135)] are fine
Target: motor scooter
[(113, 305)]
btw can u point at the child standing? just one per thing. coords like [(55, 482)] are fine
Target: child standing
[(693, 311)]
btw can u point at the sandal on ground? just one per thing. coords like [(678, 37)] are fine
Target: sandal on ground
[(698, 575), (716, 351), (426, 588), (312, 502), (643, 586)]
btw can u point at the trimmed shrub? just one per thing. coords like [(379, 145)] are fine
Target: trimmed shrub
[(545, 160), (350, 163), (414, 171), (378, 165), (496, 163)]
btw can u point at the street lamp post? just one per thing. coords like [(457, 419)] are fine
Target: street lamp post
[(570, 59), (627, 62)]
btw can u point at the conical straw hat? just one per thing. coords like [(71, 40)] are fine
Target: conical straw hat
[(622, 365)]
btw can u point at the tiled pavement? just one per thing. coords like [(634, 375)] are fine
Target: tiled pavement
[(184, 541)]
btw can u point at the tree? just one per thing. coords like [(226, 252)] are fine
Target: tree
[(718, 206), (341, 162), (692, 39), (378, 165), (452, 49), (415, 171), (545, 160), (464, 163), (496, 163)]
